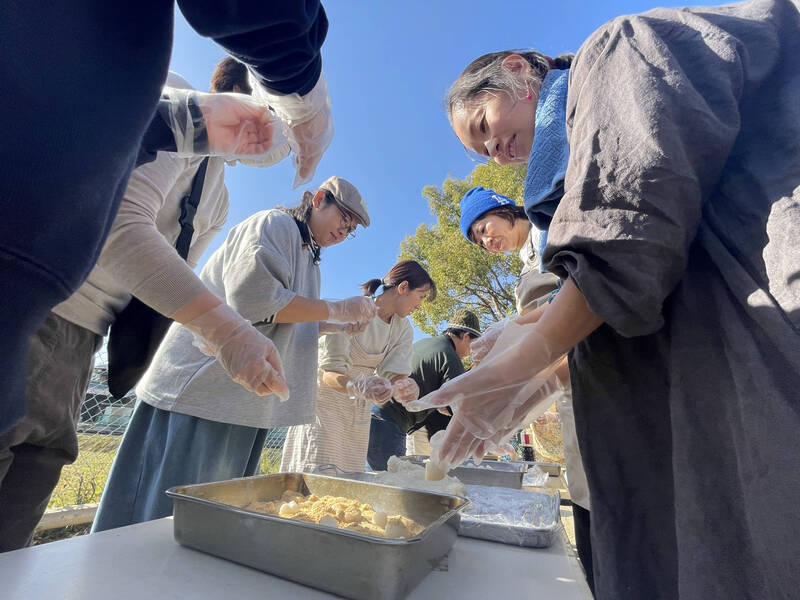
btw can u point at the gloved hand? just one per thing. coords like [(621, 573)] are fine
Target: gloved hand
[(247, 356), (234, 125), (481, 346), (372, 388), (326, 327), (308, 120), (405, 390), (273, 157), (357, 308), (511, 386)]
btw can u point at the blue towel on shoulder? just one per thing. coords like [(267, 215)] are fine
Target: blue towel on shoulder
[(544, 183)]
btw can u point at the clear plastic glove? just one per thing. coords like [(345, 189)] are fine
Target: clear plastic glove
[(349, 310), (308, 121), (369, 388), (227, 125), (511, 387), (405, 390), (481, 346), (326, 327), (272, 157), (247, 356)]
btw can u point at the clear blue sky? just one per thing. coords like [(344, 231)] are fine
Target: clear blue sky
[(388, 65)]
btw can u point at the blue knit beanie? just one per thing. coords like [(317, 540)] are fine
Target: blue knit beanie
[(476, 202)]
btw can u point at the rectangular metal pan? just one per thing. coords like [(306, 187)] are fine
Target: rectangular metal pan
[(552, 469), (342, 562), (489, 472), (515, 517)]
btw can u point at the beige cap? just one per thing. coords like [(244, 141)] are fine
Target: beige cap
[(348, 196)]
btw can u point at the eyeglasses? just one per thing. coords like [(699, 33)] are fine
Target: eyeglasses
[(346, 223)]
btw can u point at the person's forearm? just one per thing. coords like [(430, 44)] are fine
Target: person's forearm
[(302, 310), (567, 320), (336, 381), (531, 315), (194, 308), (141, 260)]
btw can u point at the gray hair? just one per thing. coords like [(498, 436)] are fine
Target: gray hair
[(486, 74)]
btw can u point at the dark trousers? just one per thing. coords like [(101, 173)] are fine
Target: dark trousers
[(386, 439), (86, 78), (580, 518), (33, 452)]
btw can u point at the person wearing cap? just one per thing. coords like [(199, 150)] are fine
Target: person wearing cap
[(497, 224), (434, 361), (192, 424)]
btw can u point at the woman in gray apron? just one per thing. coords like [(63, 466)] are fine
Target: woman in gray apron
[(355, 371)]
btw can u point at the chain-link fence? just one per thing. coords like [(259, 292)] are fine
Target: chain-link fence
[(101, 424)]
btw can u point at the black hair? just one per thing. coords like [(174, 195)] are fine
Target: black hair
[(486, 73), (458, 332), (301, 214), (510, 212), (229, 74), (406, 270)]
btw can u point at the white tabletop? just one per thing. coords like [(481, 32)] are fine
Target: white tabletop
[(144, 561)]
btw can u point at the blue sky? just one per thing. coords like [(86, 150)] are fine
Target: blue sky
[(388, 65)]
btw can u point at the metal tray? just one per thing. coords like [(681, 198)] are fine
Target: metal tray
[(516, 517), (346, 563), (489, 472), (552, 469)]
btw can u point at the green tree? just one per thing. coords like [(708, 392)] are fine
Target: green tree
[(464, 274)]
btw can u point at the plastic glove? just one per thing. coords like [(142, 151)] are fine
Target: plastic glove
[(272, 157), (326, 327), (481, 346), (372, 388), (234, 125), (247, 356), (308, 120), (405, 390), (511, 386), (349, 310)]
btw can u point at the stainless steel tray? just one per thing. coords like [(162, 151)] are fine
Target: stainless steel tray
[(508, 516), (346, 563), (516, 517), (489, 472), (552, 469)]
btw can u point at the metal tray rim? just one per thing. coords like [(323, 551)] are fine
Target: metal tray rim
[(172, 493), (420, 458)]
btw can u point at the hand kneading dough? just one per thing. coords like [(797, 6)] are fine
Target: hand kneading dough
[(405, 474), (433, 472)]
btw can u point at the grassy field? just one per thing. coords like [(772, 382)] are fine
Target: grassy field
[(82, 482)]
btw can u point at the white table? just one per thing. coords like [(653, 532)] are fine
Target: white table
[(144, 562)]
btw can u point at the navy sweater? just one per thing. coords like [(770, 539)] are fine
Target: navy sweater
[(81, 82)]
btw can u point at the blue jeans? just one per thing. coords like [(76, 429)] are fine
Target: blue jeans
[(163, 449), (385, 439)]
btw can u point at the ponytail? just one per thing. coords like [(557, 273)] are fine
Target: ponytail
[(370, 287), (563, 61), (406, 270)]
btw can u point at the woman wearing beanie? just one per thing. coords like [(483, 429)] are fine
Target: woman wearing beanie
[(496, 224)]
